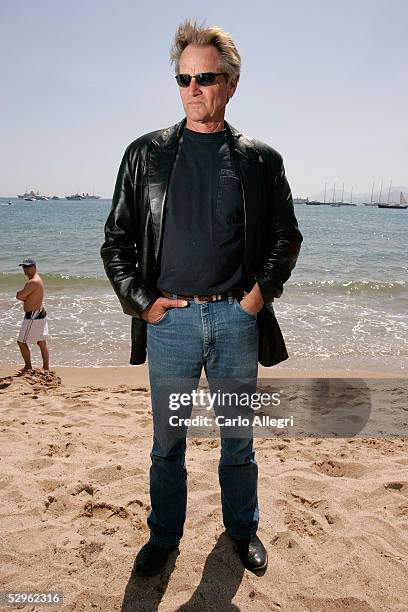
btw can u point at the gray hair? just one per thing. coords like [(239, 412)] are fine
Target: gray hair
[(190, 33)]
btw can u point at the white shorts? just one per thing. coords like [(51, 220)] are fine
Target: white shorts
[(33, 330)]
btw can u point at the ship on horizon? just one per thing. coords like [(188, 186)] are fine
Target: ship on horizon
[(88, 196), (75, 196), (82, 196), (334, 202), (372, 202), (31, 196), (300, 200), (402, 203)]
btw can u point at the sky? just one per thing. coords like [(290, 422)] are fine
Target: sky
[(323, 82)]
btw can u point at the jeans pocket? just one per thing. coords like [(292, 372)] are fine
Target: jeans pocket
[(240, 309), (162, 318)]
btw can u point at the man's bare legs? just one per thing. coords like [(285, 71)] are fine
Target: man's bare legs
[(44, 354), (25, 351)]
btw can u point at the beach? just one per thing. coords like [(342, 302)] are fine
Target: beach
[(75, 497), (333, 489), (244, 125)]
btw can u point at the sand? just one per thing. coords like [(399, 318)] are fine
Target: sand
[(74, 485)]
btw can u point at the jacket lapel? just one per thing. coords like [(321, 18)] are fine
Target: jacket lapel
[(160, 163), (250, 167)]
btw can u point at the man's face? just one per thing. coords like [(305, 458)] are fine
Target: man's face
[(204, 104), (29, 270)]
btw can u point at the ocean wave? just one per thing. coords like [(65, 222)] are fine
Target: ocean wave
[(368, 288), (352, 288), (54, 281)]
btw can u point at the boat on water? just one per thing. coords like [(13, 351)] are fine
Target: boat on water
[(55, 198), (325, 202), (300, 200), (75, 196), (402, 203), (317, 202), (371, 202), (82, 196), (88, 196), (30, 196), (337, 203)]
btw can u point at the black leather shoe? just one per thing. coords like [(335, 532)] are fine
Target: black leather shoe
[(252, 553), (151, 559)]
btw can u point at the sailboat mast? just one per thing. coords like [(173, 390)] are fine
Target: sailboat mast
[(334, 191), (351, 196), (325, 186), (379, 197), (372, 191), (389, 191), (342, 193)]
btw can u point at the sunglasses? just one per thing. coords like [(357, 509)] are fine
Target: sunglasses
[(30, 266), (202, 78)]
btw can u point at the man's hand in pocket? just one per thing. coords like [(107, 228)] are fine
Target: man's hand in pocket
[(157, 309)]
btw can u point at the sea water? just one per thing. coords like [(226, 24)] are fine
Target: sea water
[(344, 307)]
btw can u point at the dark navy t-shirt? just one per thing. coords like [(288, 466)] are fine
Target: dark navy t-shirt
[(203, 238)]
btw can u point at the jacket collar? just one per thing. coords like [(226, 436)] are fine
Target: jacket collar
[(161, 160), (169, 138)]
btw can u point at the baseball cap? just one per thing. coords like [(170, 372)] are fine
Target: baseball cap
[(28, 261)]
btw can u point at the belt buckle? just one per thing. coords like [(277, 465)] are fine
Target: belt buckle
[(198, 301)]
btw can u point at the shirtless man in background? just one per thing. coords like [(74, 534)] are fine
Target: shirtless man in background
[(34, 327)]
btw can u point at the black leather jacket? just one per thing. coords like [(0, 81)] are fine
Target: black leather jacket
[(133, 230)]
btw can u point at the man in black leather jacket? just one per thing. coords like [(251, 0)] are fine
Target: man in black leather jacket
[(200, 239)]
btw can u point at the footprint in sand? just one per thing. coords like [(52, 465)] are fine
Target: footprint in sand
[(105, 511), (139, 503), (307, 502), (81, 486), (110, 530), (284, 540), (63, 449), (90, 551), (321, 505), (339, 469), (303, 523), (402, 511), (289, 548), (58, 506), (397, 486), (6, 382)]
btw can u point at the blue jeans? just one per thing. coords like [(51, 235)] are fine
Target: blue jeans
[(222, 338)]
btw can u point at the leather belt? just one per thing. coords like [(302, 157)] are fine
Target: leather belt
[(203, 299)]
